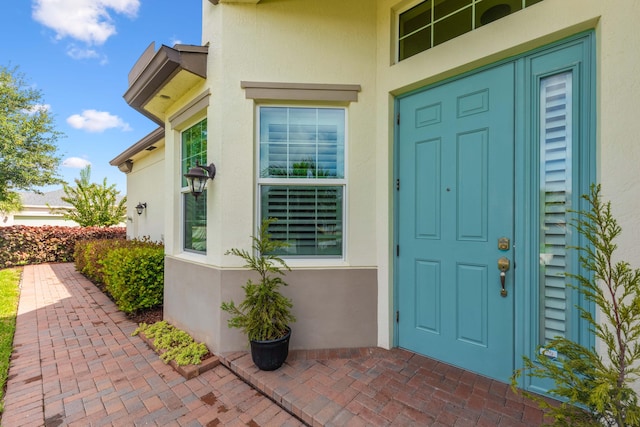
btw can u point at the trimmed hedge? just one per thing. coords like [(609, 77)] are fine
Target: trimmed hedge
[(131, 271), (24, 245), (134, 276), (89, 254)]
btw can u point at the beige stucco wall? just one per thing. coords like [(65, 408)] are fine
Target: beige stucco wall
[(270, 42), (351, 42), (144, 185), (618, 91), (334, 308)]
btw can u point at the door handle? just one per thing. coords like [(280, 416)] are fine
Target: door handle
[(503, 266)]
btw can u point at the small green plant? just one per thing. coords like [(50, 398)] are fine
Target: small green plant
[(173, 343), (265, 313), (597, 389)]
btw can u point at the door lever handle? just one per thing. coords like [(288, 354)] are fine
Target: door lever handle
[(503, 266), (503, 291)]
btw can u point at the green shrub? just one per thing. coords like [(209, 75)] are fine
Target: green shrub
[(79, 255), (134, 275), (173, 343), (90, 253), (25, 245)]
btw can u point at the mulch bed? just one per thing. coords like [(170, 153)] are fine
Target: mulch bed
[(149, 316)]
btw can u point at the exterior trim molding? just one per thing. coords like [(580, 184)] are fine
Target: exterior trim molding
[(301, 91), (124, 162), (235, 1), (154, 71), (197, 104)]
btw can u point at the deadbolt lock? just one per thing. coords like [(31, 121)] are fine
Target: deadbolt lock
[(504, 244)]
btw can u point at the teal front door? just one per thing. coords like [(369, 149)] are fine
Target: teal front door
[(455, 222)]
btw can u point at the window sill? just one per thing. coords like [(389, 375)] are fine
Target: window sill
[(315, 262)]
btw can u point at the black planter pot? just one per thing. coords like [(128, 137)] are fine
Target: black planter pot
[(270, 355)]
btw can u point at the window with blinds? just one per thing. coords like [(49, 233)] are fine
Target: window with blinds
[(555, 193), (301, 178), (194, 151)]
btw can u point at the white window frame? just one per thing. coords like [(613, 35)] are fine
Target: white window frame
[(328, 182)]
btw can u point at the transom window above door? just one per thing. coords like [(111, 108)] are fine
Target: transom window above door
[(433, 22)]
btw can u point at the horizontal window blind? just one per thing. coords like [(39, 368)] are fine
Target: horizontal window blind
[(309, 218), (301, 143), (555, 134)]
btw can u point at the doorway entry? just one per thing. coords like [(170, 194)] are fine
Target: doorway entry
[(486, 162)]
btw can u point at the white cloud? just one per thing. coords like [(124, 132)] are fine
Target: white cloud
[(38, 107), (75, 163), (79, 53), (89, 21), (97, 121), (76, 52)]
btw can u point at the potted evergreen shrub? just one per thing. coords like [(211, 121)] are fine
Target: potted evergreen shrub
[(265, 314)]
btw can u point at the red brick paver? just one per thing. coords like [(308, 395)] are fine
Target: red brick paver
[(76, 363), (376, 387)]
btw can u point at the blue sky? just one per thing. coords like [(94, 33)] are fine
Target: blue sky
[(78, 53)]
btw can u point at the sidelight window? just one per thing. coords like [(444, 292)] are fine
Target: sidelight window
[(555, 191)]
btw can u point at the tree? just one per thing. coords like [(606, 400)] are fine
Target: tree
[(93, 205), (12, 203), (27, 140), (585, 379)]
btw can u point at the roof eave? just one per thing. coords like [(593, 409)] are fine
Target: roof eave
[(124, 160), (160, 70)]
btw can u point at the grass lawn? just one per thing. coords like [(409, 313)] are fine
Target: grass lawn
[(9, 292)]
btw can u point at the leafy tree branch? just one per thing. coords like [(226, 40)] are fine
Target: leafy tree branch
[(28, 139)]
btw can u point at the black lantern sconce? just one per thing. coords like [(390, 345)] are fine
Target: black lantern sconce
[(198, 176), (140, 208)]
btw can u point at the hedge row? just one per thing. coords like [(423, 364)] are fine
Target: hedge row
[(24, 245), (132, 271)]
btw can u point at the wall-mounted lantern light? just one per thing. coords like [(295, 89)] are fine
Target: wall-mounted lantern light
[(198, 176), (140, 208)]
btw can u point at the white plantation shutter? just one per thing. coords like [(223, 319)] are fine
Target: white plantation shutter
[(555, 143), (309, 218)]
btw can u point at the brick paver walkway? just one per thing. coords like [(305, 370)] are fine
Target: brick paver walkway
[(76, 363), (377, 387)]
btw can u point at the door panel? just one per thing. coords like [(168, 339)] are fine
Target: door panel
[(455, 201)]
